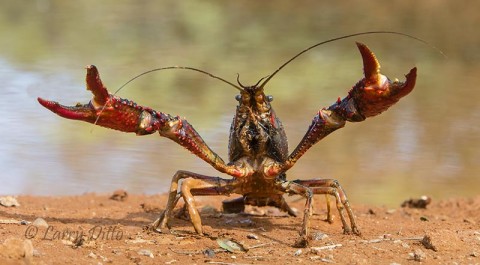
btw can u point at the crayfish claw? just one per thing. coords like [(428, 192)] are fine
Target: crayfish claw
[(77, 112), (106, 110), (85, 112), (376, 93)]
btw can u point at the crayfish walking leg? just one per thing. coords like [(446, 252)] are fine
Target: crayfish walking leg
[(307, 189), (291, 187), (187, 185), (333, 188)]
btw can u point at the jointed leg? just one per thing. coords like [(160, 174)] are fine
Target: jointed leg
[(329, 210), (192, 184), (298, 189), (333, 188)]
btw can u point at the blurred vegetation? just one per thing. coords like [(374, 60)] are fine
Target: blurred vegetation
[(431, 137)]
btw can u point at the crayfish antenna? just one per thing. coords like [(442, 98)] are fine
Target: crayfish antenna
[(94, 83), (345, 37)]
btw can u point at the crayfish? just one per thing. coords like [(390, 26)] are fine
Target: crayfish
[(258, 156)]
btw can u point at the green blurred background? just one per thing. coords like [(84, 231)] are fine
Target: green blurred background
[(428, 144)]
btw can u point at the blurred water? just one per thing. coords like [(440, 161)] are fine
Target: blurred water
[(427, 144)]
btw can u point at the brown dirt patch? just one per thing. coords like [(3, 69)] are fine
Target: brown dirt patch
[(446, 232)]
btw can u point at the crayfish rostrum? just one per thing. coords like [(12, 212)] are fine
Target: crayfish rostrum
[(258, 151)]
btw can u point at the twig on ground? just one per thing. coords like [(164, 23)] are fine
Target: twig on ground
[(390, 239), (325, 247)]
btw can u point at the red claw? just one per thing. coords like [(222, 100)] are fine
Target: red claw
[(104, 109), (87, 112), (75, 113), (376, 93)]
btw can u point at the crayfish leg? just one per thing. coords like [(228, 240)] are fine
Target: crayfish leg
[(186, 185), (331, 187)]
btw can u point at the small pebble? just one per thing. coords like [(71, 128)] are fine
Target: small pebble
[(418, 255), (420, 203), (252, 236), (469, 221), (317, 236), (246, 221), (9, 201), (146, 252), (209, 253), (428, 244), (92, 255), (36, 253), (298, 252), (40, 222), (119, 195)]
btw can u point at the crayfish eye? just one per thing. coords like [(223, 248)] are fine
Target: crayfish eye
[(238, 97), (269, 98)]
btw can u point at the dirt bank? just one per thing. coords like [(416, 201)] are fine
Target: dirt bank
[(94, 229)]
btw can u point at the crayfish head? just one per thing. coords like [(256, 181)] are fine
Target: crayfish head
[(254, 98), (256, 129)]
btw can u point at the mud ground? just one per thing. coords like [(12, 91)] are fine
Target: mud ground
[(96, 229)]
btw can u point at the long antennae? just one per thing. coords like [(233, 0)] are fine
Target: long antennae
[(177, 67), (345, 37), (166, 68), (238, 81)]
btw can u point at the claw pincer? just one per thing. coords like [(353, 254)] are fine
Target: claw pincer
[(108, 110), (376, 93)]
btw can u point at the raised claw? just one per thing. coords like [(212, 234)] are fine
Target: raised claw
[(104, 109), (112, 112), (376, 93)]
